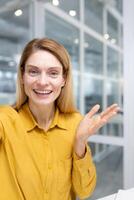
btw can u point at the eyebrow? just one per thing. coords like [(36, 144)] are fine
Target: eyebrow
[(55, 67), (31, 66)]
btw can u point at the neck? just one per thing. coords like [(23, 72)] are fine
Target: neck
[(43, 114)]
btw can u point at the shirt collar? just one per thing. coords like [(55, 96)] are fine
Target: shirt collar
[(59, 120), (30, 123)]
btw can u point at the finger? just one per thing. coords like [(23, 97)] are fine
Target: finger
[(114, 111), (109, 116), (100, 122), (94, 110), (111, 108)]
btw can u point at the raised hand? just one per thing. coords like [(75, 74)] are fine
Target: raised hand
[(92, 122)]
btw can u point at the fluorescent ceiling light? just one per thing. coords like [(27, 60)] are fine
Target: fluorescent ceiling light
[(18, 12), (76, 41), (106, 36), (55, 2), (72, 13)]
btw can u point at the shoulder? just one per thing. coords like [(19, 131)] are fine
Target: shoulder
[(72, 119), (72, 116), (6, 118), (76, 116), (7, 111)]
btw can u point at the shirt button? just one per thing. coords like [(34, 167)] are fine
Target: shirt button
[(49, 166)]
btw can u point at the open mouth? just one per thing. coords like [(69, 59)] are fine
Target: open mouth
[(43, 92)]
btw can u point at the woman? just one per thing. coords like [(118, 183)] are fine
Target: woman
[(43, 151)]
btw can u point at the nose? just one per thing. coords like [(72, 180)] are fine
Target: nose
[(43, 79)]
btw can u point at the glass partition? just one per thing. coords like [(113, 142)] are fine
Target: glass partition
[(113, 64), (94, 15), (72, 8), (93, 55), (112, 92), (76, 86), (93, 91), (118, 5), (113, 28), (109, 165), (66, 34), (14, 33), (115, 128)]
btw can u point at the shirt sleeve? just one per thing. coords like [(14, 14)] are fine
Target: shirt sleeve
[(83, 175)]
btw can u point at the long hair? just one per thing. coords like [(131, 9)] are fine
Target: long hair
[(65, 101)]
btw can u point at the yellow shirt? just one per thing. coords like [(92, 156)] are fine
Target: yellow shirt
[(39, 165)]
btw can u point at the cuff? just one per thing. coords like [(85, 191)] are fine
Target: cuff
[(84, 162)]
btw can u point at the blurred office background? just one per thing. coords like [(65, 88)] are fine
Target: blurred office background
[(92, 32)]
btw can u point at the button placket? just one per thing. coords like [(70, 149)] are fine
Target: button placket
[(48, 181), (49, 166)]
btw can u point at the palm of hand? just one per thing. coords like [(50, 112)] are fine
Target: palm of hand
[(91, 123)]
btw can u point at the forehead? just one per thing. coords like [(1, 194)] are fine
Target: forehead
[(43, 58)]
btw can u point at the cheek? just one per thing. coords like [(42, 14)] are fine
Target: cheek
[(58, 84), (27, 81)]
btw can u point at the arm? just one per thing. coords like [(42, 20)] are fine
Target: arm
[(84, 174)]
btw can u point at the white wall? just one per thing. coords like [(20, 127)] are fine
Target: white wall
[(128, 9)]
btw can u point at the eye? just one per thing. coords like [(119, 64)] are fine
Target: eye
[(54, 74), (33, 72)]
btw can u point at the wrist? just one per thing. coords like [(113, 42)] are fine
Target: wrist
[(80, 139), (80, 148)]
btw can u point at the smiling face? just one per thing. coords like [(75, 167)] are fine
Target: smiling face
[(43, 78)]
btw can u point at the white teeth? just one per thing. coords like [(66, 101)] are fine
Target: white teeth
[(43, 92)]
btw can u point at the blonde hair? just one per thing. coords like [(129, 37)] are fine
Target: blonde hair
[(65, 101)]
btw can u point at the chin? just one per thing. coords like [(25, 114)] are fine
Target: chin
[(44, 103)]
